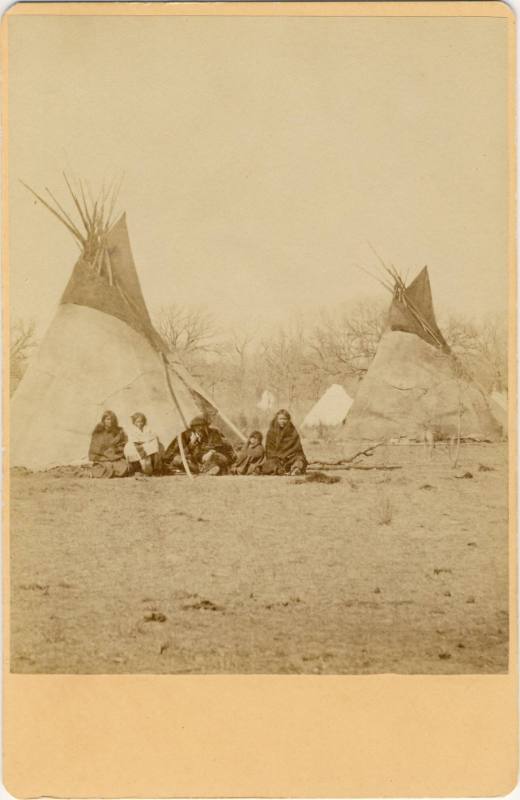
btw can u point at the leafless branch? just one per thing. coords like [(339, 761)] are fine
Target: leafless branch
[(189, 331), (21, 344)]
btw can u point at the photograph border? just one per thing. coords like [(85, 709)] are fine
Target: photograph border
[(263, 735)]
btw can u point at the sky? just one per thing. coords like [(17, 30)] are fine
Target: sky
[(263, 157)]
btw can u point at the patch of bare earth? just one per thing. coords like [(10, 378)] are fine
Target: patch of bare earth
[(402, 571)]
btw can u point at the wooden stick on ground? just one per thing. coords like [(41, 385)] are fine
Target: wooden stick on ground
[(333, 467), (367, 452)]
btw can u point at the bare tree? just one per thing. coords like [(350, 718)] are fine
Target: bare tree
[(481, 347), (189, 331), (344, 341), (235, 366), (239, 345), (22, 341), (285, 363)]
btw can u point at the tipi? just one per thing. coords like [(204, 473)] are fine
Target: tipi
[(499, 408), (267, 401), (331, 409), (414, 383), (101, 351)]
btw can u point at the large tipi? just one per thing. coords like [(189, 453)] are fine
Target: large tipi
[(331, 409), (100, 352), (414, 383)]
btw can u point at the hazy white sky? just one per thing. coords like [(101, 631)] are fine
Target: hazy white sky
[(261, 155)]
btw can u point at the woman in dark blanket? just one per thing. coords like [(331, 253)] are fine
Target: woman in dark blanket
[(107, 448), (283, 449), (250, 458)]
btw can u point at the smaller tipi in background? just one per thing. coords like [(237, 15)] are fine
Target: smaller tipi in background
[(331, 409), (267, 401)]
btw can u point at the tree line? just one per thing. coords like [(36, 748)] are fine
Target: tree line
[(296, 362)]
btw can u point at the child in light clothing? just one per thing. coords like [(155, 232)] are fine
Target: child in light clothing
[(143, 445)]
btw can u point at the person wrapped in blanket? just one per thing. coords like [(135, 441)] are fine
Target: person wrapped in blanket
[(142, 449), (250, 458), (283, 448), (107, 448), (205, 448)]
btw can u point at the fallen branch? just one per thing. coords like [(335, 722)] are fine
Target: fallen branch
[(331, 467), (367, 452)]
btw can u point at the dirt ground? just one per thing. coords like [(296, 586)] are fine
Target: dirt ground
[(384, 571)]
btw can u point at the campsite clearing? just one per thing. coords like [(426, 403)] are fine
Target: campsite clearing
[(401, 571)]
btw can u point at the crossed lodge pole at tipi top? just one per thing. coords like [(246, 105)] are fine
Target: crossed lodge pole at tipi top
[(96, 220)]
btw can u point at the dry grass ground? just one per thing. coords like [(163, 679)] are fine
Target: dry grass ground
[(400, 571)]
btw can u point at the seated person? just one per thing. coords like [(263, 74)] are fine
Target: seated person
[(205, 449), (142, 447), (251, 456), (107, 448), (283, 448)]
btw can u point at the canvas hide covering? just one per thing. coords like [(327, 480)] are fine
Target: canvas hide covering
[(100, 352), (89, 361), (498, 404), (331, 409), (411, 387), (267, 401)]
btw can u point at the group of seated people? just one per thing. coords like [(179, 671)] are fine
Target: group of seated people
[(201, 449)]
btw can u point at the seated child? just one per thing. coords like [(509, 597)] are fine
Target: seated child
[(250, 457), (142, 446)]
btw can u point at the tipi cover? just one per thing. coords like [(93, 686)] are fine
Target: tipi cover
[(499, 408), (331, 409), (100, 352), (414, 383), (267, 401)]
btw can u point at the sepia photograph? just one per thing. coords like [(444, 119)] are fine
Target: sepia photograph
[(260, 353)]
